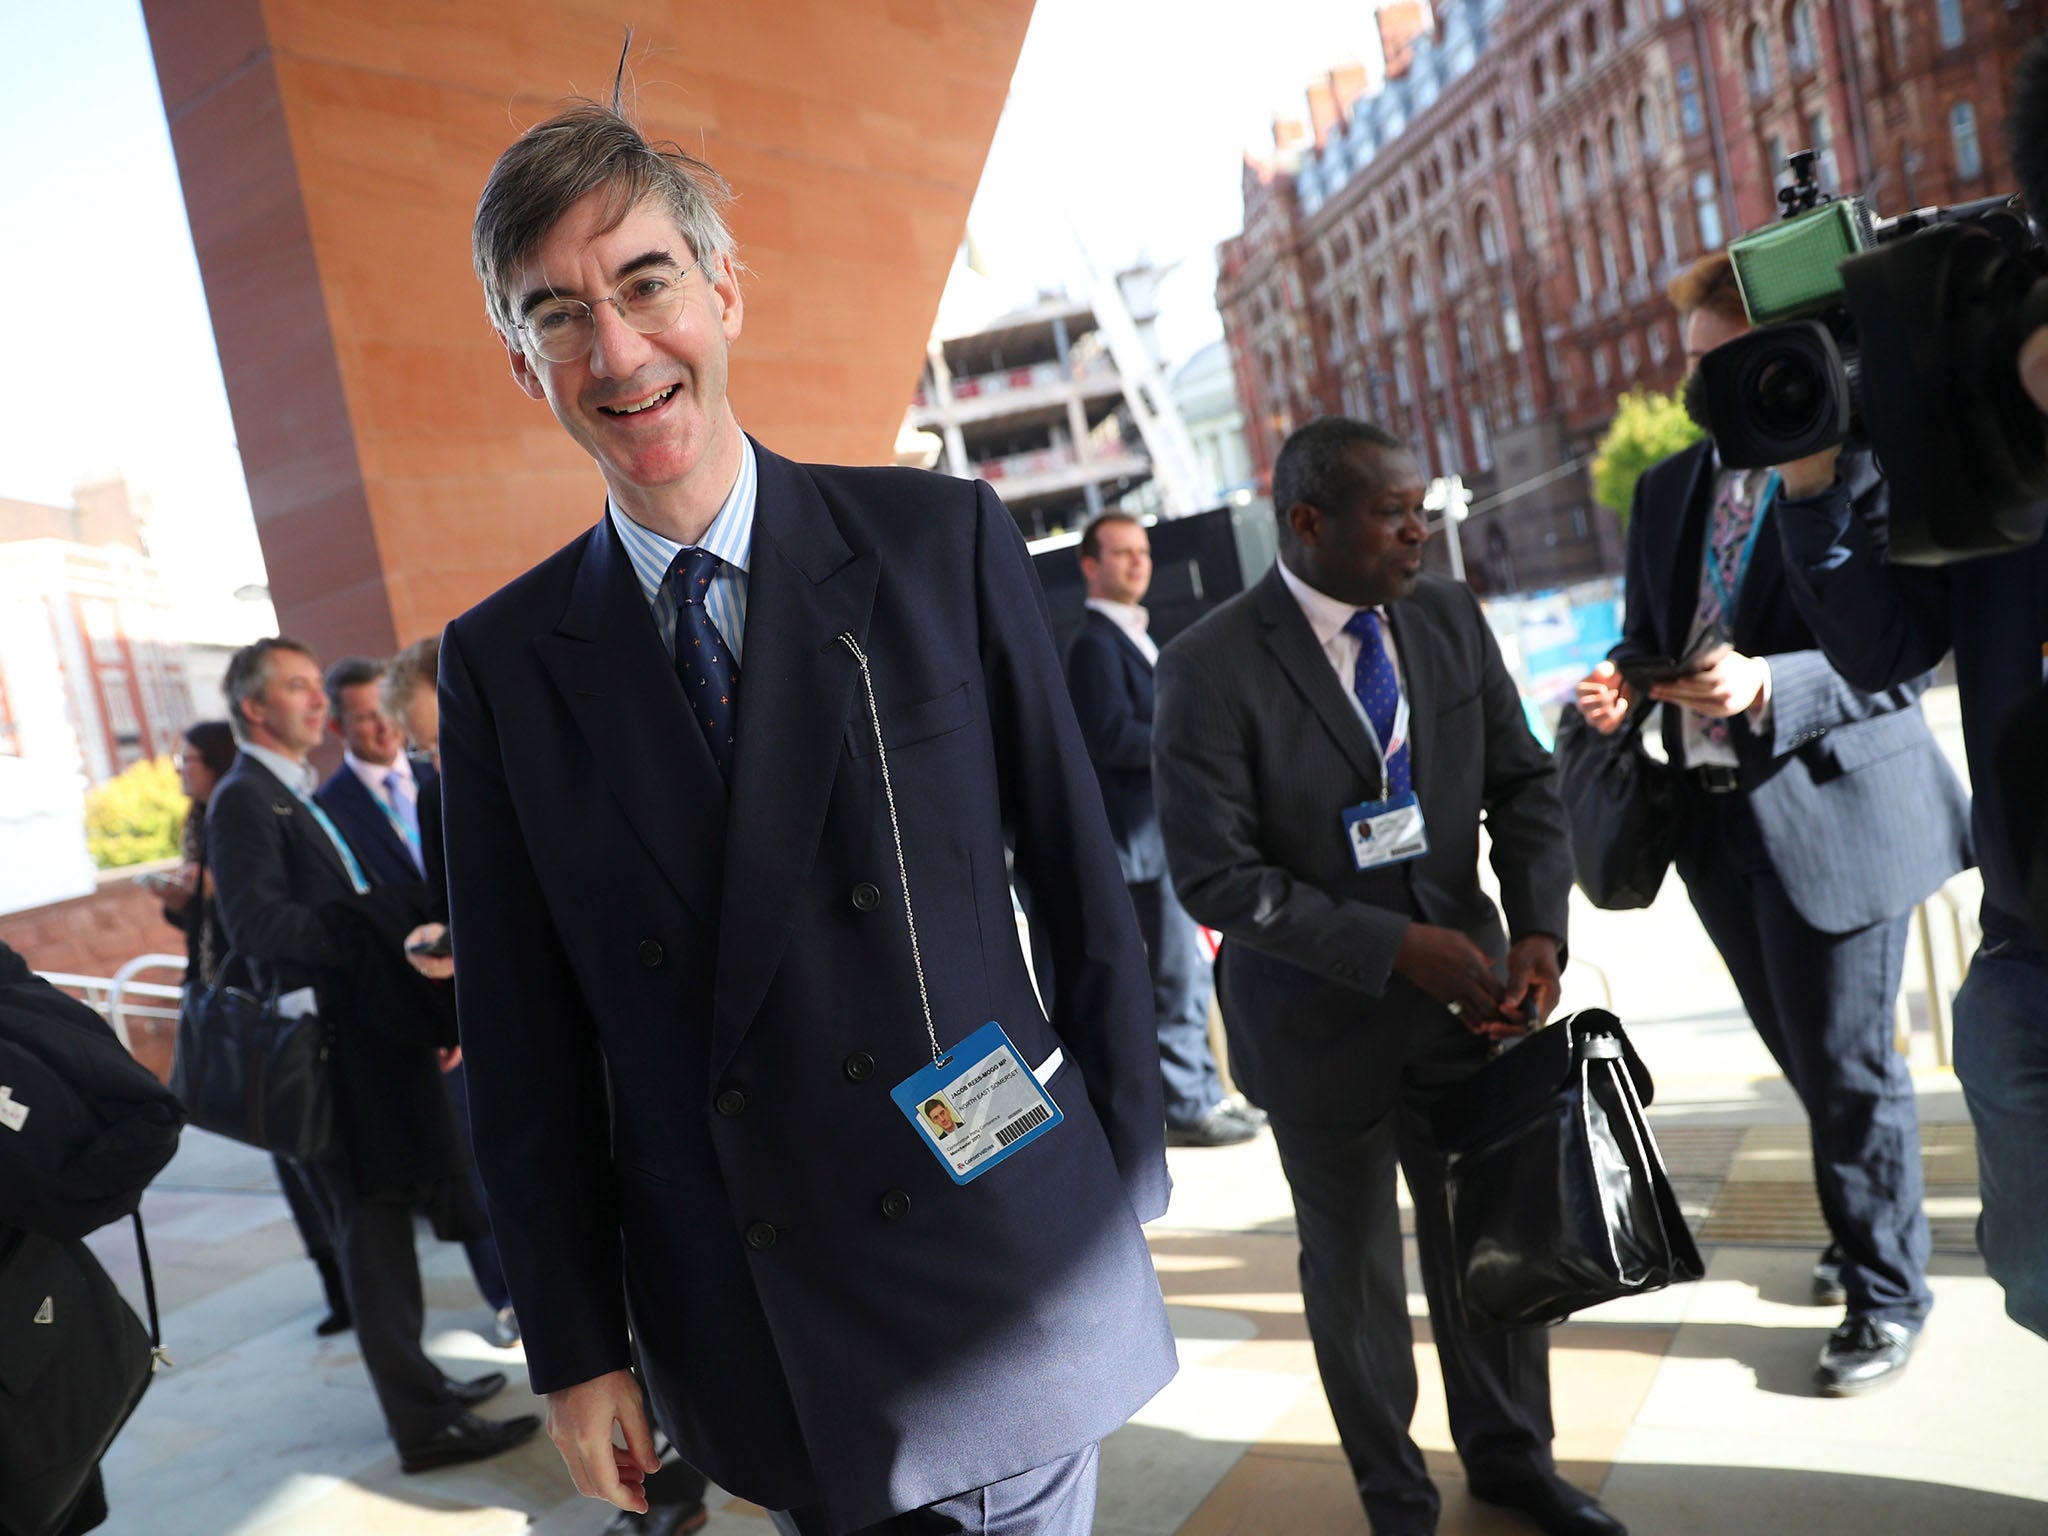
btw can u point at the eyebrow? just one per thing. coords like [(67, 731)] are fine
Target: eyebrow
[(536, 297)]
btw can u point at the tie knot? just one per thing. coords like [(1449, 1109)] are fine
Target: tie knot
[(692, 573), (1364, 625)]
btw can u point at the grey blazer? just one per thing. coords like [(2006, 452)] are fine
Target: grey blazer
[(1257, 751)]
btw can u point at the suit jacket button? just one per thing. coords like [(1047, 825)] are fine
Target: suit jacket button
[(731, 1102), (650, 953), (860, 1066), (895, 1205), (866, 896), (761, 1236)]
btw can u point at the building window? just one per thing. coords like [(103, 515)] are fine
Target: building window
[(1962, 127), (1774, 158), (1525, 402), (1617, 147), (1390, 321), (1510, 323), (1489, 238), (1674, 8), (1609, 267), (1404, 387), (1446, 453), (1690, 119), (1561, 174), (1758, 50), (1667, 230), (1659, 347), (1948, 15), (1708, 206), (1638, 249), (1465, 355), (1583, 269), (1601, 368), (1447, 263), (1646, 128), (1823, 142), (1589, 167), (1432, 359), (1482, 440), (1628, 357), (1801, 41)]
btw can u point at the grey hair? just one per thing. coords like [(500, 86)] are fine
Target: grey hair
[(248, 674), (1316, 466), (587, 147), (417, 666)]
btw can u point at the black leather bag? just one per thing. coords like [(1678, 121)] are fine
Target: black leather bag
[(1624, 809), (74, 1362), (247, 1072), (1558, 1196)]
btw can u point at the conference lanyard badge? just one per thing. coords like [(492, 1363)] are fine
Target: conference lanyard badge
[(1389, 831), (977, 1105)]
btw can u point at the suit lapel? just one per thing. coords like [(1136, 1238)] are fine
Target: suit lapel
[(607, 660), (1293, 645), (369, 814), (1419, 684), (288, 805), (805, 588), (1685, 556)]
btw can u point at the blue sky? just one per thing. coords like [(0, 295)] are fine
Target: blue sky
[(1132, 114)]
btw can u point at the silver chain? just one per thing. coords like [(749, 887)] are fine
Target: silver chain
[(896, 832)]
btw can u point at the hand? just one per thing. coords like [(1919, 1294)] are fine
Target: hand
[(1726, 683), (1533, 986), (2034, 367), (1455, 971), (1604, 699), (178, 890), (449, 1057), (580, 1422), (433, 967), (1809, 476)]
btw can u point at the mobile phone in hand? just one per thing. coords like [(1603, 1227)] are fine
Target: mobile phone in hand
[(433, 949)]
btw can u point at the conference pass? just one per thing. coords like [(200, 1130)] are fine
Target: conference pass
[(977, 1107)]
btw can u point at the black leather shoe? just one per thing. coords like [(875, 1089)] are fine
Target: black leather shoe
[(482, 1390), (336, 1321), (468, 1438), (1220, 1127), (675, 1520), (1555, 1505), (1246, 1110), (1828, 1290), (1863, 1353)]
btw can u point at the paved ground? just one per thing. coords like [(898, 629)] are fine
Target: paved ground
[(1689, 1411)]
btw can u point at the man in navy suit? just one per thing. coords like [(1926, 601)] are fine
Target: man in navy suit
[(692, 762), (1109, 672), (1818, 814), (374, 796)]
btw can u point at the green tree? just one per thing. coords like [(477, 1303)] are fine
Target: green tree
[(1647, 427), (137, 816)]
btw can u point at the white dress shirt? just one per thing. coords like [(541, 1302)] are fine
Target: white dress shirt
[(302, 778), (374, 779), (1133, 620), (1327, 618), (730, 537)]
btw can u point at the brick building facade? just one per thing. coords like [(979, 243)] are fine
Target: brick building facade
[(1475, 252)]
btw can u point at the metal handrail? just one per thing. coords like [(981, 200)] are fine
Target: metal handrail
[(109, 996)]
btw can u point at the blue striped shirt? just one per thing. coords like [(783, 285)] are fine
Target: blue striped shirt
[(730, 537)]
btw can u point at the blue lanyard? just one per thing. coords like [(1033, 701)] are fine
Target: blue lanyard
[(1722, 590)]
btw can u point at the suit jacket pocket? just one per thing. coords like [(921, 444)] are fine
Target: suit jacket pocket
[(905, 725), (1847, 748)]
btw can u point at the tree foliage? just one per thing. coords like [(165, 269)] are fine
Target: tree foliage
[(1647, 427), (136, 817)]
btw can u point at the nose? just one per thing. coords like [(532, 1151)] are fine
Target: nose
[(616, 349)]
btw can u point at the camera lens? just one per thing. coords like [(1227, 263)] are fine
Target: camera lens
[(1787, 395)]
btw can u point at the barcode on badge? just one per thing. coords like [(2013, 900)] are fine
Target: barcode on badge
[(1025, 1123)]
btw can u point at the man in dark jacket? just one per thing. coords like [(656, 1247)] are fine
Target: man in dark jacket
[(1109, 673), (296, 904)]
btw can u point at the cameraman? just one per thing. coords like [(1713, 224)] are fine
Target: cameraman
[(1879, 625)]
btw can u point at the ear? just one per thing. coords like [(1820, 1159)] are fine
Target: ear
[(1306, 520), (725, 283), (523, 373)]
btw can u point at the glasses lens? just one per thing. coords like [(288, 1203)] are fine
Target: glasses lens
[(561, 332), (652, 300)]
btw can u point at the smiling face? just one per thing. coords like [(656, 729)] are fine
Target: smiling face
[(371, 734), (291, 711), (1368, 550), (650, 409)]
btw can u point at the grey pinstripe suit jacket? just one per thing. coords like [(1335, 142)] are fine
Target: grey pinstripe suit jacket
[(1861, 814), (1256, 752)]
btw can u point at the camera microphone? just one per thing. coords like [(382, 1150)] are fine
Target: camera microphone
[(2027, 125)]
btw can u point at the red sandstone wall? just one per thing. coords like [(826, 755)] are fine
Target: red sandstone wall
[(331, 153)]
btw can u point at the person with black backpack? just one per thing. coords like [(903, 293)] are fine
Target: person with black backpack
[(84, 1127)]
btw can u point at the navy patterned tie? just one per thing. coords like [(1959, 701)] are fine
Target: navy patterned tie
[(1379, 690), (710, 677)]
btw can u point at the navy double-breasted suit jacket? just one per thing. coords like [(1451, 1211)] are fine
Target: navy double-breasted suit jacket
[(1860, 813), (685, 1001)]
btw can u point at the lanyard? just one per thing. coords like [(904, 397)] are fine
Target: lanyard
[(1722, 590), (939, 1057)]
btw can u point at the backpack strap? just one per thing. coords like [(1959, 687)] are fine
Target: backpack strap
[(159, 1360)]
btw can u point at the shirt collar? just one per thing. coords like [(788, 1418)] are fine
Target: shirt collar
[(299, 777), (1326, 615), (1133, 617), (374, 776), (730, 536)]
